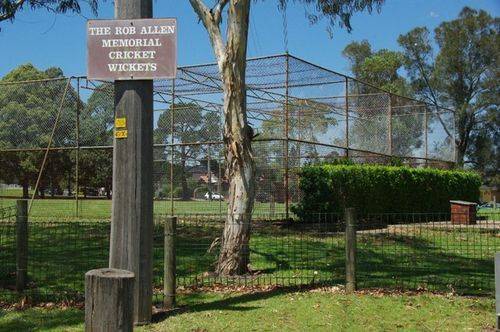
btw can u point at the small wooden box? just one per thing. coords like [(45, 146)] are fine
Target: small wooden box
[(463, 213)]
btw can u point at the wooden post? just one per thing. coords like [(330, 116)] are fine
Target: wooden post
[(350, 250), (497, 289), (109, 303), (21, 244), (169, 263), (131, 242)]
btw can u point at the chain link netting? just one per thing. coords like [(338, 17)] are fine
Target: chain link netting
[(300, 114)]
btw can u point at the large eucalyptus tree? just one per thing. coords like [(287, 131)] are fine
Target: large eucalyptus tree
[(230, 50)]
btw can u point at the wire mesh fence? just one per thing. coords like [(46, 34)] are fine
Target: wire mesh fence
[(56, 136), (417, 251)]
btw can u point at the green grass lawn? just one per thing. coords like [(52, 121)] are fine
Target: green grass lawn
[(289, 311), (101, 208), (417, 257)]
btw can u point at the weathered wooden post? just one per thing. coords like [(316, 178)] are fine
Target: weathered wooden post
[(169, 263), (151, 43), (350, 249), (21, 244), (132, 207), (497, 289), (109, 300)]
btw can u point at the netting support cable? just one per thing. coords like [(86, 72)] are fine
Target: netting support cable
[(59, 112)]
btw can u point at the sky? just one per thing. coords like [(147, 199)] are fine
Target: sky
[(46, 39)]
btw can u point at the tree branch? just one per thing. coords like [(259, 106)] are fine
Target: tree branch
[(12, 10), (217, 11), (433, 95), (212, 26)]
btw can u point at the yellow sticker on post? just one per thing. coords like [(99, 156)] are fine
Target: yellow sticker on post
[(123, 133), (121, 123)]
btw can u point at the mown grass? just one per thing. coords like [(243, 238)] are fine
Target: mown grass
[(289, 311), (101, 208)]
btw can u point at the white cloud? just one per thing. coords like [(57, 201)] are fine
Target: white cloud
[(433, 14)]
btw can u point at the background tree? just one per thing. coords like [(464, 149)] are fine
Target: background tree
[(27, 116), (9, 8), (369, 129), (458, 74), (191, 124), (380, 68), (96, 129), (230, 51)]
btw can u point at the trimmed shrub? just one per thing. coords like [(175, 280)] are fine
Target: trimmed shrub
[(382, 189)]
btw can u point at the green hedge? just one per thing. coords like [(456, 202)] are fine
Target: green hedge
[(382, 189)]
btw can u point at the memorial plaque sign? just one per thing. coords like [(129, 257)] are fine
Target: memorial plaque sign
[(139, 49)]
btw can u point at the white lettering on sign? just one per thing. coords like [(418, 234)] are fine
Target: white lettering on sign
[(132, 49), (132, 67), (126, 55), (124, 30), (158, 30), (131, 42), (100, 31)]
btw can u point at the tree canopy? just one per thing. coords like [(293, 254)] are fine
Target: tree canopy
[(455, 67), (9, 8), (461, 72), (28, 113)]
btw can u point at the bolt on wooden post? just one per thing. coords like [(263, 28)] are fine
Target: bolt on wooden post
[(21, 244), (350, 249)]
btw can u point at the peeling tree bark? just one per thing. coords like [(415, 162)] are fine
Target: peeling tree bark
[(231, 59)]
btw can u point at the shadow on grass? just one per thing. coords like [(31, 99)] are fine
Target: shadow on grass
[(198, 303), (408, 262)]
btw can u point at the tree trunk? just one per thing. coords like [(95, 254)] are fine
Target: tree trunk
[(184, 185), (234, 254), (68, 188)]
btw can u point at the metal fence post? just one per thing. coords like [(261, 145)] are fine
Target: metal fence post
[(350, 249), (77, 161), (426, 136), (169, 263), (497, 289), (21, 244), (389, 126), (287, 137), (172, 149), (346, 117)]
